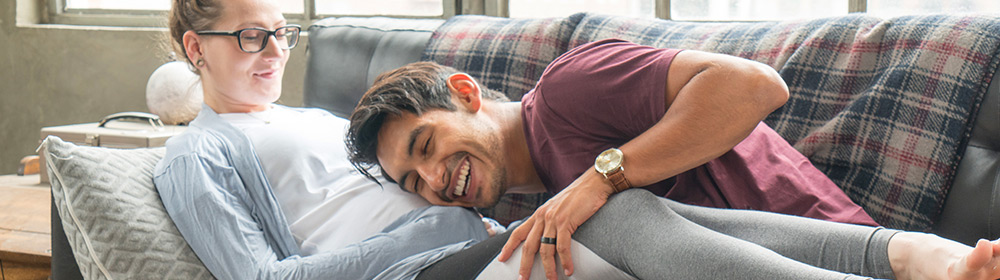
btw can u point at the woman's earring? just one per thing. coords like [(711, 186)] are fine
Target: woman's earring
[(200, 62)]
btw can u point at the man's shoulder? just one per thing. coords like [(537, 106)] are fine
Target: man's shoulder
[(596, 71), (599, 45), (602, 50)]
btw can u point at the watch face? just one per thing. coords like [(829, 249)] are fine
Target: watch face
[(608, 161)]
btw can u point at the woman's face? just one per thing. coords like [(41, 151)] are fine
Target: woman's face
[(237, 81)]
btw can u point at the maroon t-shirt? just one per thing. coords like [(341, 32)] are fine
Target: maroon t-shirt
[(602, 94)]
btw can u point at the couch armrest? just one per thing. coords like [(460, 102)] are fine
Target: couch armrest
[(972, 209)]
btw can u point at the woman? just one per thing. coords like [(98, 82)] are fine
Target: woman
[(265, 191)]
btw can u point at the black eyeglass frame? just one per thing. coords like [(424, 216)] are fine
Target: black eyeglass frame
[(263, 44)]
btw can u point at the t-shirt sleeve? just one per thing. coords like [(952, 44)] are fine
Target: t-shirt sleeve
[(611, 88)]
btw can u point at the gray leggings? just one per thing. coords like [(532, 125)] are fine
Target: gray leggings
[(656, 238), (651, 237)]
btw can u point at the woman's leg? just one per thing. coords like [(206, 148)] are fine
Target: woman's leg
[(643, 236), (840, 247), (640, 235), (863, 250), (468, 263)]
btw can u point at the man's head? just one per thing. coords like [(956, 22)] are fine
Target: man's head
[(423, 125)]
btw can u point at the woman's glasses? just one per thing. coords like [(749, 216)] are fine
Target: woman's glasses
[(253, 40)]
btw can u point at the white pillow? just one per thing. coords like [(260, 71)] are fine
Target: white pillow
[(112, 215)]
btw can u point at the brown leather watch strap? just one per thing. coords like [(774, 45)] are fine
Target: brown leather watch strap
[(618, 180)]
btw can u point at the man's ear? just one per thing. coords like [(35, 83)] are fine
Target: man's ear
[(466, 90), (192, 46)]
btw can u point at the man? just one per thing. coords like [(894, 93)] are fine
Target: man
[(684, 125)]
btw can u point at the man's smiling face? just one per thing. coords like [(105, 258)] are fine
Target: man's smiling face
[(447, 157)]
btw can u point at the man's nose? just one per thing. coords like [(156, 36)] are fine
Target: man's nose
[(433, 176)]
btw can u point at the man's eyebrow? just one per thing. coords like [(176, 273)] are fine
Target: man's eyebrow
[(413, 138)]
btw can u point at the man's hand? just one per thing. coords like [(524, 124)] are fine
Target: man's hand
[(558, 218)]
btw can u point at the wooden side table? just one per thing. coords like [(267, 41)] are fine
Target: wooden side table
[(25, 229)]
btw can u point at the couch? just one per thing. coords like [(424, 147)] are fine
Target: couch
[(902, 113)]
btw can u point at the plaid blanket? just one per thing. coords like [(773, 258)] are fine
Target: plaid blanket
[(884, 107)]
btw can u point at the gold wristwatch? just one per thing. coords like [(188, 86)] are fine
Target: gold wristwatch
[(609, 164)]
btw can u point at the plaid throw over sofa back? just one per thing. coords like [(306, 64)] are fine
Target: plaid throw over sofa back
[(884, 107)]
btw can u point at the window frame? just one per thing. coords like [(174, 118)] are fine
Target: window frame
[(53, 12), (501, 8), (56, 13)]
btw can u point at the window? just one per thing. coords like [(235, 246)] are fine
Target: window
[(561, 8), (429, 8), (889, 8), (304, 12), (96, 6), (117, 5), (740, 10), (745, 10)]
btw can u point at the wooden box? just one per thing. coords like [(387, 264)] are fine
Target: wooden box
[(122, 131)]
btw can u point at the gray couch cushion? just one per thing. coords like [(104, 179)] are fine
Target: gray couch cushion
[(112, 214), (346, 54), (972, 210)]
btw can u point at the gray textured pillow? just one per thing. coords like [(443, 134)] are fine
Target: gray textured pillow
[(112, 214)]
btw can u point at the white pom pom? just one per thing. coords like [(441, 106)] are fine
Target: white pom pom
[(174, 93)]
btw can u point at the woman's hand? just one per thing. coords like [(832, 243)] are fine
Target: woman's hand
[(558, 218), (492, 226)]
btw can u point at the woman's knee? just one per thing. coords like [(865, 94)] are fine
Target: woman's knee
[(634, 202), (632, 198)]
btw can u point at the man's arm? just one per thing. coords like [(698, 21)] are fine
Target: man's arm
[(713, 102)]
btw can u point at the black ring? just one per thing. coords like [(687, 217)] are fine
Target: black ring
[(549, 240)]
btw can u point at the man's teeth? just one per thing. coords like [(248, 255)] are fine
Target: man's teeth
[(463, 181)]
